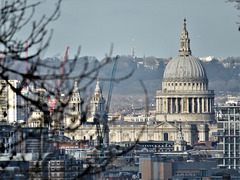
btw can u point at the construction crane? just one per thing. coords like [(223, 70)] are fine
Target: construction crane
[(51, 103), (102, 132), (26, 62), (26, 83), (61, 74), (2, 55)]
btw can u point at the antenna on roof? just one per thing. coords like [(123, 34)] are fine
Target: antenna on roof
[(133, 49)]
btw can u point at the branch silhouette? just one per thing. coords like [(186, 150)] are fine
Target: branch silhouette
[(38, 84)]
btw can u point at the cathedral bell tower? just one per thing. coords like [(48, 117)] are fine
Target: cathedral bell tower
[(75, 108), (97, 107)]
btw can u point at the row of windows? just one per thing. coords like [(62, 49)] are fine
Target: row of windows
[(75, 99), (53, 162), (227, 110), (184, 84), (54, 168), (53, 174)]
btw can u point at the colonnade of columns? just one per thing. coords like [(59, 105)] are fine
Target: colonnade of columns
[(184, 104)]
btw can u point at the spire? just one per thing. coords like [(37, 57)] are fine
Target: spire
[(184, 42), (179, 135), (75, 89), (76, 93), (98, 90), (133, 49)]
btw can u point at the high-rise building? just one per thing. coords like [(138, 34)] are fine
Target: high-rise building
[(228, 119), (10, 102)]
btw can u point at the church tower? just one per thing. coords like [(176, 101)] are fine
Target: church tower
[(75, 101), (75, 108), (180, 144), (97, 105)]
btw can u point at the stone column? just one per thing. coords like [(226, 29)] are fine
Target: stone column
[(166, 105), (193, 107), (198, 105), (176, 105), (203, 104), (211, 102), (182, 105), (160, 105), (209, 105), (187, 105), (171, 106)]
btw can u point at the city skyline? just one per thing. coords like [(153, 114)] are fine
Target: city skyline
[(154, 26), (172, 118)]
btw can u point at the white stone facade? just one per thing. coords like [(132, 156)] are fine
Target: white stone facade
[(10, 102), (184, 99)]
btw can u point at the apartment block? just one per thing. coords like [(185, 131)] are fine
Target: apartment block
[(228, 137)]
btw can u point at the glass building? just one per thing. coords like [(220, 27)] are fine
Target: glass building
[(228, 137)]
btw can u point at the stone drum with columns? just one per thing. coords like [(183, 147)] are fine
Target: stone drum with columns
[(185, 96)]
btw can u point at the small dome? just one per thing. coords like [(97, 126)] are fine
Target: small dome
[(185, 68)]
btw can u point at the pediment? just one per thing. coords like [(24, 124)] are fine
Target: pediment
[(166, 125)]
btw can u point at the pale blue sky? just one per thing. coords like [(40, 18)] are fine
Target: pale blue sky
[(156, 26)]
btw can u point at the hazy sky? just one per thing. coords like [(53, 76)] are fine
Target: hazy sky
[(155, 25)]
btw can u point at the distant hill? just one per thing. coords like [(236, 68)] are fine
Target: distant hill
[(223, 75)]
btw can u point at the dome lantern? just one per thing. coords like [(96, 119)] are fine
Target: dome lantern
[(185, 67), (184, 42)]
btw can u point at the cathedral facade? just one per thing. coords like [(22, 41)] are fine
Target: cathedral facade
[(184, 101)]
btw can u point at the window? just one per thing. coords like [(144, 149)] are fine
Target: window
[(165, 136)]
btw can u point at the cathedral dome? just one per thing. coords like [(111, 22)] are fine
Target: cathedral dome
[(185, 68)]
